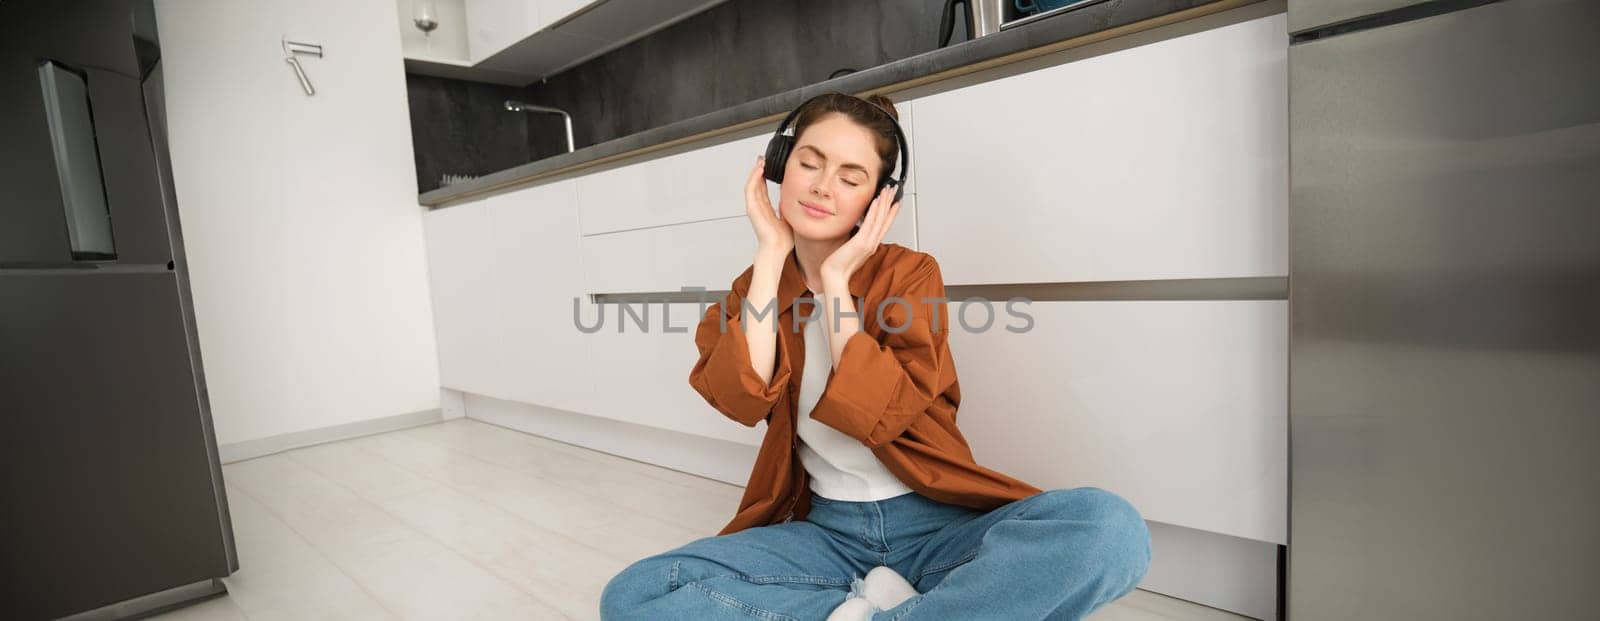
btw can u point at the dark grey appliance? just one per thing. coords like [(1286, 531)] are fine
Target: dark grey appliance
[(113, 495), (1444, 295)]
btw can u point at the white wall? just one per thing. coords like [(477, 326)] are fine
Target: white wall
[(300, 217)]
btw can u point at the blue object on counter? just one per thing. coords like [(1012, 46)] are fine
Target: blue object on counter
[(1031, 7)]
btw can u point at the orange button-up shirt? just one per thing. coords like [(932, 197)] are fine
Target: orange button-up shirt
[(894, 390)]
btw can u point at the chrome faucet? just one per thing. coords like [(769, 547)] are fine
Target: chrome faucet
[(518, 106)]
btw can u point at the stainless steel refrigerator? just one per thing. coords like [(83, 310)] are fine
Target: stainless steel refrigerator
[(1444, 284), (113, 501)]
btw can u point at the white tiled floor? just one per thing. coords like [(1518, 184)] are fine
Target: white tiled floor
[(464, 519)]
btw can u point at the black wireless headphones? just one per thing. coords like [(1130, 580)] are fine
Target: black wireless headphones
[(781, 144)]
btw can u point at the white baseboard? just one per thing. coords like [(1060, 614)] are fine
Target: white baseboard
[(452, 403), (1221, 571), (1216, 570), (729, 462), (250, 449)]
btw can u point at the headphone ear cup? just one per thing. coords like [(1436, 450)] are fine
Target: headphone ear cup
[(777, 157)]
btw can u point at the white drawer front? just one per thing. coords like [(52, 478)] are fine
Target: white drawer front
[(643, 377), (1167, 160), (700, 254), (702, 184), (696, 185), (1179, 406)]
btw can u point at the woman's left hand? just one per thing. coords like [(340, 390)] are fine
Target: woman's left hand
[(854, 253)]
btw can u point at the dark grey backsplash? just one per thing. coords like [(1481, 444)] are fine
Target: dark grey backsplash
[(733, 53), (462, 128)]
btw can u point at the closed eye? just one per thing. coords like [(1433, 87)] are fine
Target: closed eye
[(810, 167)]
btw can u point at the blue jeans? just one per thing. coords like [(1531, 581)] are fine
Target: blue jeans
[(1058, 554)]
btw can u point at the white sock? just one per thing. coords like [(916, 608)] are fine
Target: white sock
[(886, 588), (853, 609)]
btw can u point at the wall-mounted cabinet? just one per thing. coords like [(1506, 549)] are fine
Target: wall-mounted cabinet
[(516, 42), (446, 43)]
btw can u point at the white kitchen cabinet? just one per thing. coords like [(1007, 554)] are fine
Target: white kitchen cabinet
[(906, 111), (1179, 406), (504, 272), (461, 276), (447, 43), (517, 42), (504, 275), (551, 11), (493, 25), (700, 184), (1150, 164), (642, 377), (1167, 160), (532, 243), (697, 254)]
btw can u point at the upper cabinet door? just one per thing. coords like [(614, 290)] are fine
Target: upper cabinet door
[(552, 11), (493, 25), (1167, 160), (516, 42)]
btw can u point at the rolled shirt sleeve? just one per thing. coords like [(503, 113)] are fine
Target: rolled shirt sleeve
[(724, 375), (877, 390)]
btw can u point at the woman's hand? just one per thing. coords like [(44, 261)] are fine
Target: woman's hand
[(853, 254), (774, 237)]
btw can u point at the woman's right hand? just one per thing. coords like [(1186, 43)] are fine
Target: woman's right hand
[(773, 234)]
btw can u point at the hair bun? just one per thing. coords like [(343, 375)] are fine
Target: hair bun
[(883, 102)]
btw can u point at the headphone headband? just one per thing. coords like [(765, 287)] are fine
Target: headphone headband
[(780, 145)]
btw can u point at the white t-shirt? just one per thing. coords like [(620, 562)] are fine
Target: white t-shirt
[(841, 467)]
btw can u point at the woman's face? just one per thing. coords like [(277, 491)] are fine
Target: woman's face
[(833, 167)]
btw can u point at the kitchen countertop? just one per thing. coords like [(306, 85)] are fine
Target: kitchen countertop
[(1077, 27)]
